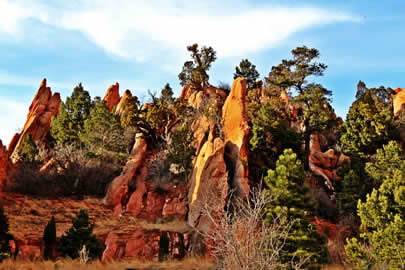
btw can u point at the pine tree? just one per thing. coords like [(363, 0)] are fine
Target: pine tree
[(102, 131), (195, 71), (28, 150), (5, 237), (382, 235), (314, 98), (290, 202), (248, 71), (166, 95), (80, 234), (369, 122), (49, 238), (67, 126)]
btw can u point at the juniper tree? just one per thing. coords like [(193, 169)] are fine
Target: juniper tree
[(195, 71), (49, 238), (5, 237), (79, 235)]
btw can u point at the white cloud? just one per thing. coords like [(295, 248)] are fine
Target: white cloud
[(158, 29)]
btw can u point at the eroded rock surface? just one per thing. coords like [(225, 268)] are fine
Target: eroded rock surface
[(146, 245), (120, 107), (44, 106), (236, 130), (325, 164), (209, 184), (5, 166), (399, 101), (112, 97)]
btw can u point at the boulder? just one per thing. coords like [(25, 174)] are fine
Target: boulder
[(236, 131), (42, 109), (120, 107), (112, 97)]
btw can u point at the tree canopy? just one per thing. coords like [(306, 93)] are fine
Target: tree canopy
[(248, 71), (195, 71)]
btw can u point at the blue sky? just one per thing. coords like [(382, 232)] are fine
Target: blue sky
[(142, 44)]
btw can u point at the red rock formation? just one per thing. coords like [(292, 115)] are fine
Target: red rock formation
[(6, 166), (112, 97), (42, 109), (325, 164), (236, 130), (120, 107), (337, 236), (209, 184), (118, 190), (399, 101), (13, 143)]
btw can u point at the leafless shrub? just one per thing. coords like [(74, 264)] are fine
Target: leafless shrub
[(71, 174), (240, 239)]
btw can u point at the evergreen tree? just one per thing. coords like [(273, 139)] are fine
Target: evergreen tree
[(369, 122), (166, 95), (382, 230), (290, 201), (195, 71), (49, 238), (314, 98), (180, 147), (67, 126), (102, 131), (271, 134), (247, 70), (5, 237), (348, 191), (28, 150), (80, 234)]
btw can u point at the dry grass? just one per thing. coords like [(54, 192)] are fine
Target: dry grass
[(188, 263)]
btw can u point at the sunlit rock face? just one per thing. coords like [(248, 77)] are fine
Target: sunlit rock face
[(112, 97), (399, 101), (236, 131), (120, 107), (44, 106)]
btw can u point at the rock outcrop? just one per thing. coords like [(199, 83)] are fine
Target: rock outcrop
[(44, 106), (5, 166), (399, 101), (120, 107), (325, 164), (209, 184), (236, 130), (112, 97), (117, 193), (146, 244)]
